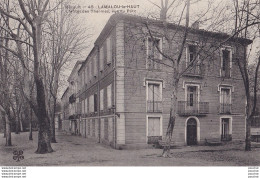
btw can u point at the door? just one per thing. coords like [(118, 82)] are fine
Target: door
[(192, 132), (225, 129)]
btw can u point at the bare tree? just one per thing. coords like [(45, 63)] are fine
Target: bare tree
[(247, 25)]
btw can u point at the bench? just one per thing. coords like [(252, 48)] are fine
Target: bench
[(162, 143), (212, 141)]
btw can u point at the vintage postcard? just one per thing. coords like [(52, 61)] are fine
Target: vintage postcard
[(129, 83)]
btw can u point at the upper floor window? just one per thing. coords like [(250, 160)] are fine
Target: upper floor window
[(86, 106), (86, 75), (225, 95), (226, 63), (109, 96), (225, 100), (109, 50), (95, 59), (83, 107), (191, 53), (192, 95), (154, 96), (90, 69), (95, 103), (91, 103), (102, 99), (101, 59), (154, 46)]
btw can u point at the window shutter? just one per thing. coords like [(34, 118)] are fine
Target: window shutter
[(109, 50), (109, 96), (102, 99), (86, 106), (95, 102), (101, 59), (83, 107), (95, 66)]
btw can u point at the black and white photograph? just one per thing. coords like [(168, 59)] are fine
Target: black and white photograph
[(129, 83)]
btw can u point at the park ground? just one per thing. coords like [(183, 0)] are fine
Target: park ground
[(78, 151)]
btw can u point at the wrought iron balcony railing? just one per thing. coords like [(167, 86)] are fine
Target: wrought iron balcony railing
[(194, 70), (194, 108), (154, 106), (225, 108)]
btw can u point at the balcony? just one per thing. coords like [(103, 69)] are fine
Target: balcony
[(154, 106), (225, 108), (195, 70), (186, 108), (72, 98)]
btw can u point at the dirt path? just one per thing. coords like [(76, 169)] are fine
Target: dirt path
[(77, 151)]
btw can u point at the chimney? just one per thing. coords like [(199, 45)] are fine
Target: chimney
[(196, 25)]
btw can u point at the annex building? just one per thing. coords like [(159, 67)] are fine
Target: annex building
[(121, 94)]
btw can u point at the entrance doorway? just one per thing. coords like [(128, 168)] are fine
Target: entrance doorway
[(225, 129), (192, 132)]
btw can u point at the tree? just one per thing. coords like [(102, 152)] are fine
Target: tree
[(247, 25), (34, 17), (68, 40)]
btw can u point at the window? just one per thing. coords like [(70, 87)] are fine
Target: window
[(109, 50), (101, 59), (154, 129), (95, 103), (86, 75), (83, 107), (91, 103), (154, 126), (86, 106), (192, 96), (153, 55), (192, 52), (225, 100), (225, 96), (95, 58), (226, 63), (102, 99), (154, 100), (109, 96), (90, 69)]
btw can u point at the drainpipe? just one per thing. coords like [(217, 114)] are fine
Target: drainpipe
[(115, 117), (98, 95)]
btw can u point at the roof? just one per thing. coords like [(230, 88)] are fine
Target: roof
[(134, 18), (115, 18)]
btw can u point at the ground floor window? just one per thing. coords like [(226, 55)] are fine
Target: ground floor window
[(226, 129), (154, 129)]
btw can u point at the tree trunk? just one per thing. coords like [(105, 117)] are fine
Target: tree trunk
[(21, 123), (30, 125), (8, 132), (44, 133), (53, 137), (171, 124), (248, 135), (17, 124), (4, 125)]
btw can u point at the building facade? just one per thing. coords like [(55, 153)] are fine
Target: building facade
[(126, 84)]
